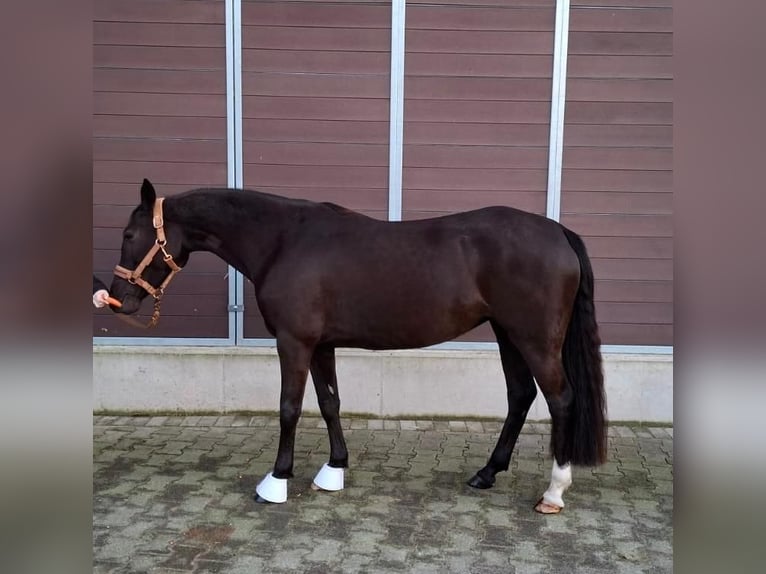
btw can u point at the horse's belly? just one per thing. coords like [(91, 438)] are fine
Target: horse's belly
[(405, 323)]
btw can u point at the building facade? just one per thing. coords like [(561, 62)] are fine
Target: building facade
[(401, 112)]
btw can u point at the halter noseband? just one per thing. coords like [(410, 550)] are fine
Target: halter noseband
[(134, 276)]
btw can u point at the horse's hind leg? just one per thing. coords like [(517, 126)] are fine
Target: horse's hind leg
[(521, 394), (294, 359), (549, 373), (326, 385)]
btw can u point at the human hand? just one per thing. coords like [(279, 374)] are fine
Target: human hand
[(100, 298)]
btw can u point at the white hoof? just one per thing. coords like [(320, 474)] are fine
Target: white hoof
[(272, 489), (328, 478)]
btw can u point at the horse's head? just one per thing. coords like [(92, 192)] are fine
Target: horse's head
[(152, 252)]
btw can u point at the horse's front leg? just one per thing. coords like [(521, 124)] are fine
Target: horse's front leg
[(330, 477), (294, 360)]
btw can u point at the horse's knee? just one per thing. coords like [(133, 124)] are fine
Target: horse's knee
[(289, 413)]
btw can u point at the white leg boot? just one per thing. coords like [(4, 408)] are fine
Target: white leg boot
[(272, 489), (328, 478)]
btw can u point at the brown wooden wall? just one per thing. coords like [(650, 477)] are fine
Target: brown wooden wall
[(617, 176), (160, 113), (315, 83), (477, 94), (316, 112)]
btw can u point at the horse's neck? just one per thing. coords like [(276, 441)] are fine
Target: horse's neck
[(242, 229)]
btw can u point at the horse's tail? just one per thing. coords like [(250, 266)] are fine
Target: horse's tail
[(582, 364)]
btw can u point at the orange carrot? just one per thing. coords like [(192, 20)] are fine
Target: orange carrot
[(113, 302)]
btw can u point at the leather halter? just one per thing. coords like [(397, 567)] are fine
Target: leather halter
[(134, 276)]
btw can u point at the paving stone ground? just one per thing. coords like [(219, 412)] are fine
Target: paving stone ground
[(174, 494)]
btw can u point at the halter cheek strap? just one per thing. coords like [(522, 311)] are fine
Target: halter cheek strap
[(134, 276)]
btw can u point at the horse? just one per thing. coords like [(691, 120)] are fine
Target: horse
[(328, 277)]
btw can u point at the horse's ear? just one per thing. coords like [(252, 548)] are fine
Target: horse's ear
[(148, 195)]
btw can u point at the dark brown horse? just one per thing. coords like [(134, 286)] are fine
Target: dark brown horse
[(326, 277)]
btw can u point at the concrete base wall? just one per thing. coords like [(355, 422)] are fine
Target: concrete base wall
[(382, 383)]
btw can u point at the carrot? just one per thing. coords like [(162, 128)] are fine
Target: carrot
[(113, 302)]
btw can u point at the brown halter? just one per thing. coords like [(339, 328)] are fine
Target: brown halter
[(134, 277)]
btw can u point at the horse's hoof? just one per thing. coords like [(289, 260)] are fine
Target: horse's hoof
[(479, 482), (543, 507), (260, 500)]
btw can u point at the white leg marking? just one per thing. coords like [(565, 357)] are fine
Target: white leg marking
[(561, 479)]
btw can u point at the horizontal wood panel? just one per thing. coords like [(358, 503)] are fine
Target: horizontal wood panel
[(165, 35), (315, 131), (638, 19), (640, 247), (441, 201), (635, 334), (478, 65), (416, 41), (524, 135), (624, 3), (633, 269), (642, 313), (160, 81), (619, 113), (347, 108), (159, 57), (478, 42), (183, 151), (660, 67), (106, 324), (186, 105), (316, 15), (618, 158), (308, 108), (620, 225), (299, 153), (616, 180), (469, 178), (160, 127), (448, 17), (619, 90), (620, 43), (476, 111), (311, 61), (503, 89), (488, 157), (318, 85), (192, 11), (316, 176), (294, 38), (595, 202), (483, 3), (633, 291), (618, 135), (196, 175)]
